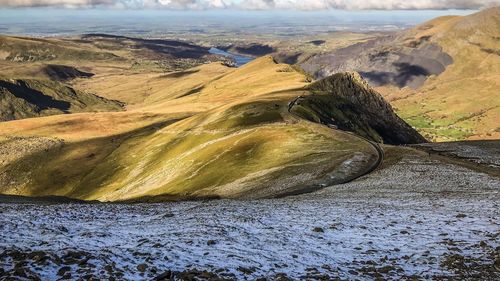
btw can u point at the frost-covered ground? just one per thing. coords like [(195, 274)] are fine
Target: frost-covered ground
[(417, 219)]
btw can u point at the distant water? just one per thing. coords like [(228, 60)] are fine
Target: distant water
[(239, 59)]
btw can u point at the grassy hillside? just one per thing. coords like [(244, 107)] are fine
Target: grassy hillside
[(218, 132), (20, 49), (463, 102)]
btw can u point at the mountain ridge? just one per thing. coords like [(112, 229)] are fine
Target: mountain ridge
[(242, 142)]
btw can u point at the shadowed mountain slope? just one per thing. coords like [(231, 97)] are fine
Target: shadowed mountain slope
[(145, 47), (390, 60), (64, 73)]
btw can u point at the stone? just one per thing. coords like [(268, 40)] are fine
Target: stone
[(318, 229), (164, 276), (142, 267), (63, 270)]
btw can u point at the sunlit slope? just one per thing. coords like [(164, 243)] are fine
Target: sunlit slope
[(233, 138), (463, 102), (257, 153), (139, 88)]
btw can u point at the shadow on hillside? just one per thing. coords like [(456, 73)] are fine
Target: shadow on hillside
[(404, 75), (23, 91), (177, 49), (66, 168), (64, 72)]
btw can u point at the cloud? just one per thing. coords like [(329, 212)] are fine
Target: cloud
[(172, 4), (410, 4), (62, 3), (263, 4), (369, 4)]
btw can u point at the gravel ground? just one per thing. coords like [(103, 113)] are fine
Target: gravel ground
[(480, 152), (418, 219)]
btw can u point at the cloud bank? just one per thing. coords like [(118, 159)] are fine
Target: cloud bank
[(65, 3), (262, 4)]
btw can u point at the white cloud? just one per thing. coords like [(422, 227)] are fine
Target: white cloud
[(264, 4), (173, 4), (410, 4), (64, 3)]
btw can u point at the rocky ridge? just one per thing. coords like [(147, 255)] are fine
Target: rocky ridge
[(346, 101)]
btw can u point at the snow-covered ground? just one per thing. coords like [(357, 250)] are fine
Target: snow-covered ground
[(417, 218)]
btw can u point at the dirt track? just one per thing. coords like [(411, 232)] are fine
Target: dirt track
[(372, 167)]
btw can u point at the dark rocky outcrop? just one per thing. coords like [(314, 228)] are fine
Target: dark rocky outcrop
[(317, 42), (345, 101), (252, 49), (64, 72), (32, 98)]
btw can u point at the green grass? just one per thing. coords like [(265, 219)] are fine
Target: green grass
[(420, 122), (247, 115), (198, 156), (452, 133)]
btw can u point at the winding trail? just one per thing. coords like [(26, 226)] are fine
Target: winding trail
[(370, 169)]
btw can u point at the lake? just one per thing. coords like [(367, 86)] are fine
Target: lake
[(239, 59)]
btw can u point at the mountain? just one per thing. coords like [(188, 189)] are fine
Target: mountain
[(392, 59), (99, 47), (442, 76), (221, 133)]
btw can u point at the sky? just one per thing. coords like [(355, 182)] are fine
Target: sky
[(259, 4), (156, 17)]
